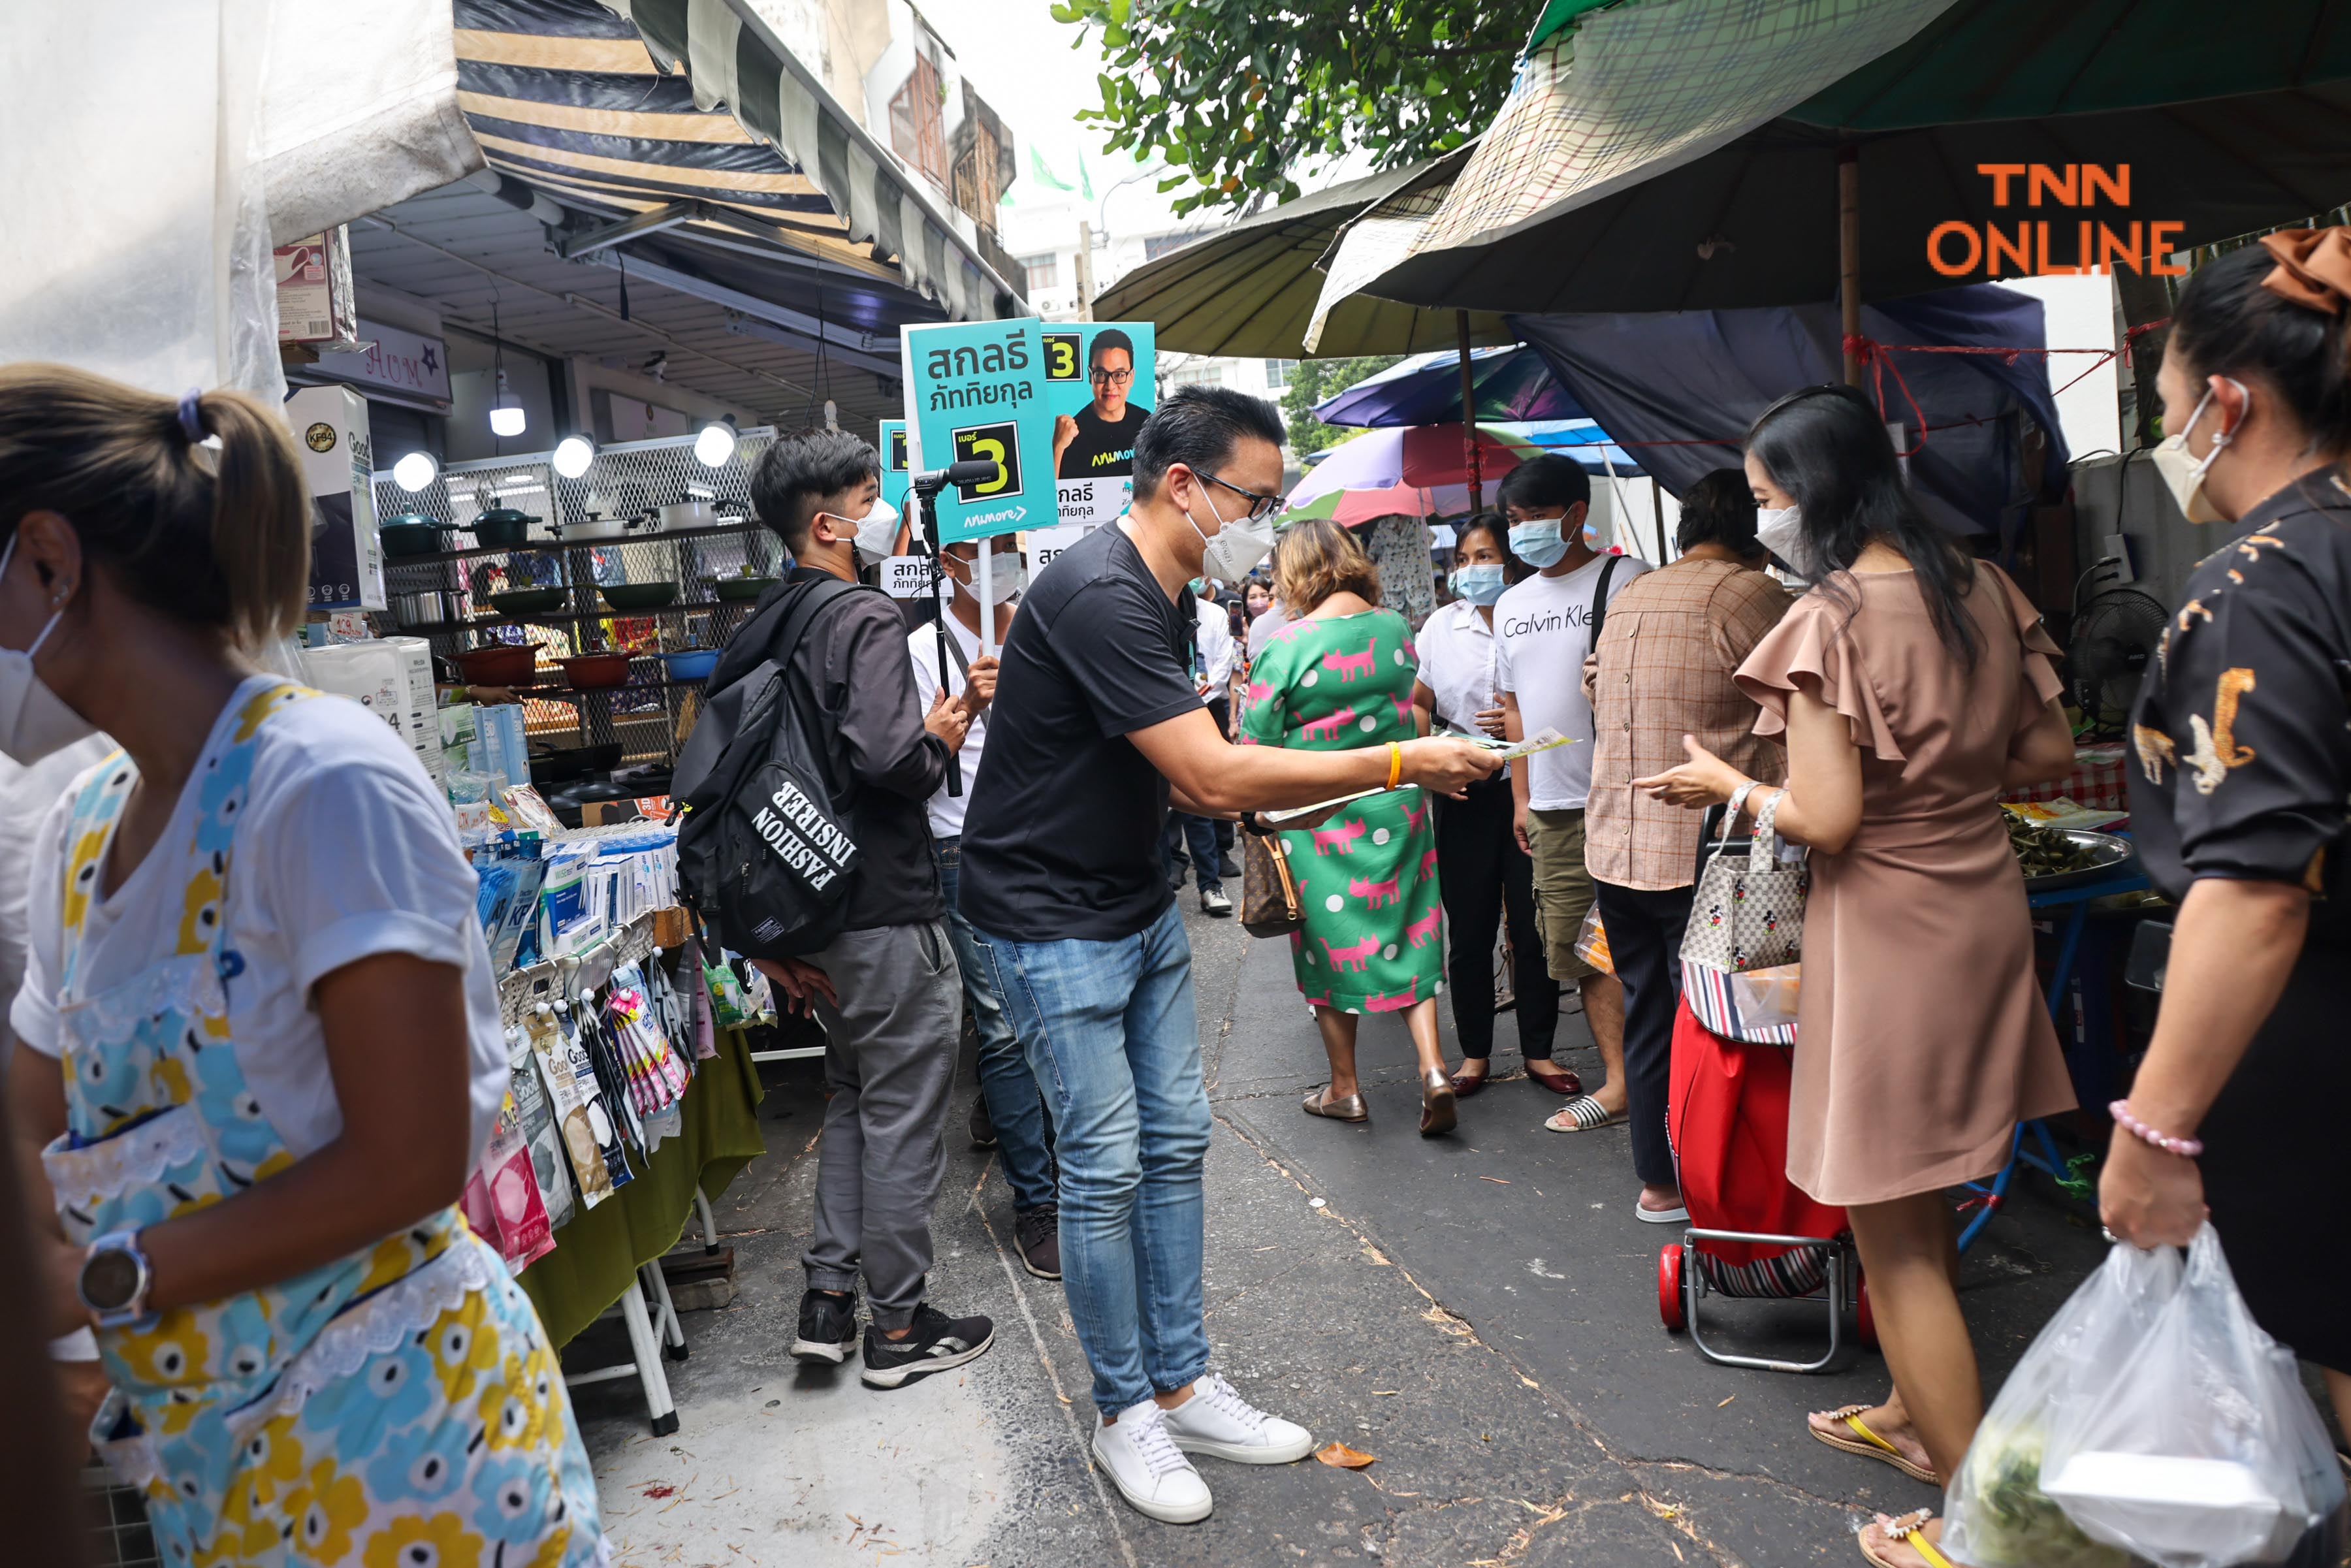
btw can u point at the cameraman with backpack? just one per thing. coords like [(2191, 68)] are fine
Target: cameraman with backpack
[(876, 964)]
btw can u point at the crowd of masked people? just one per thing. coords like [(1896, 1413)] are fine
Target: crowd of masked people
[(318, 1047), (1817, 646)]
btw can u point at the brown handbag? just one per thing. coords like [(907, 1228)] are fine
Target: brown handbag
[(1268, 895)]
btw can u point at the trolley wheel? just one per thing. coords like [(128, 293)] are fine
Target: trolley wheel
[(1864, 1322), (1669, 1286)]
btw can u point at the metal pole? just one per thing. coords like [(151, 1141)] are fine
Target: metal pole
[(926, 511), (1849, 251), (1469, 417), (987, 599), (1085, 270), (1658, 507)]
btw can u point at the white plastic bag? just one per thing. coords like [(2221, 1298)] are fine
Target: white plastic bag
[(2201, 1447), (1997, 1516)]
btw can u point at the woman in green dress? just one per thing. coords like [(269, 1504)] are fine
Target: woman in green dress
[(1338, 677)]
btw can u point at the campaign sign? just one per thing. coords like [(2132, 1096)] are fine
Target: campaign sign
[(896, 470), (976, 390), (1098, 383), (1044, 544), (907, 576)]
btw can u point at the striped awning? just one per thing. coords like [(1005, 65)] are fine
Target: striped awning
[(632, 112)]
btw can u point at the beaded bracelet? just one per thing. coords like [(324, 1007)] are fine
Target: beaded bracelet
[(2186, 1148)]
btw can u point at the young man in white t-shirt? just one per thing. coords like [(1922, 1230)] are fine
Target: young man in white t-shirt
[(1543, 629)]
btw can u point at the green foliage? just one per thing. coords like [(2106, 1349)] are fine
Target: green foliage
[(1309, 383), (1233, 94)]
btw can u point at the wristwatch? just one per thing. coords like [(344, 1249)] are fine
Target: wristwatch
[(115, 1277)]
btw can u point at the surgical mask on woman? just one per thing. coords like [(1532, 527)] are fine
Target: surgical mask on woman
[(1538, 542), (1781, 530), (34, 720), (2183, 473), (1479, 583)]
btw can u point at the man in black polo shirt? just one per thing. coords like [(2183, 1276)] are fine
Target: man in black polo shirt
[(1096, 728)]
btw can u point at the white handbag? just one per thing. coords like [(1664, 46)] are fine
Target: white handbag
[(1747, 913)]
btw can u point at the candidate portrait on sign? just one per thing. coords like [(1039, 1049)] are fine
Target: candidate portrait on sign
[(1098, 441)]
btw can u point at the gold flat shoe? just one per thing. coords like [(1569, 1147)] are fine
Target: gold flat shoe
[(1347, 1108), (1436, 1097)]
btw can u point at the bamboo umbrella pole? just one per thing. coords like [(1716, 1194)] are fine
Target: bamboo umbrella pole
[(1469, 417), (1849, 252)]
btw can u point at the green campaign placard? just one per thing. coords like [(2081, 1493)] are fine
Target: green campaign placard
[(896, 466), (1098, 383), (976, 390)]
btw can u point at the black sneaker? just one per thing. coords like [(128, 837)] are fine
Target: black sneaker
[(828, 1327), (983, 1125), (1038, 1232), (1227, 865), (935, 1344)]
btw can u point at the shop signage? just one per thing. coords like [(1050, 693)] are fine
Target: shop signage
[(407, 363), (976, 390), (1098, 383)]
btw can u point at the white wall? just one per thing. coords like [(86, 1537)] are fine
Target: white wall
[(2079, 313)]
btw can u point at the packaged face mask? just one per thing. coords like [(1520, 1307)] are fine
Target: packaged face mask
[(537, 1119), (571, 1090)]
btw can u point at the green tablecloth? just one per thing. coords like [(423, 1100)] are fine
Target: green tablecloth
[(597, 1255)]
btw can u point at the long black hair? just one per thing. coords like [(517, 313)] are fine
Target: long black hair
[(2228, 324), (1827, 447)]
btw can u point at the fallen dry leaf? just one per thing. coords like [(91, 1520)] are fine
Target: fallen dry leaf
[(1343, 1457), (1727, 1401)]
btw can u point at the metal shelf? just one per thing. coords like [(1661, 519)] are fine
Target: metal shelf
[(559, 617), (542, 546)]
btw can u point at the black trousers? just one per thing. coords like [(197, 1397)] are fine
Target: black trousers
[(1645, 943), (1484, 879)]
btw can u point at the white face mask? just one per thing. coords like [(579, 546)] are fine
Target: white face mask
[(1782, 531), (877, 534), (34, 720), (2183, 473), (1235, 548), (1004, 578)]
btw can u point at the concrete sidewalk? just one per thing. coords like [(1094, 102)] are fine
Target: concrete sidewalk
[(1479, 1312)]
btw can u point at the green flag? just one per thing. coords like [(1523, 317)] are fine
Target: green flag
[(1043, 176), (1085, 181)]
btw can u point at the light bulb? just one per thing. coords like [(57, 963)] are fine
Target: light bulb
[(416, 471), (715, 443), (505, 421), (572, 456)]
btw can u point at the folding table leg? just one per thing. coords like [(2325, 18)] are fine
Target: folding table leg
[(646, 1348), (709, 1223), (667, 1328)]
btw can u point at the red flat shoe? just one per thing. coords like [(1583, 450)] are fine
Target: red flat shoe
[(1464, 1086), (1563, 1083)]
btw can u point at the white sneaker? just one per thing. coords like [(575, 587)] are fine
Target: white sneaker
[(1148, 1470), (1218, 1422)]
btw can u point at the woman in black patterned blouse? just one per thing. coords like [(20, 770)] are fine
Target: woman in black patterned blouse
[(2242, 766)]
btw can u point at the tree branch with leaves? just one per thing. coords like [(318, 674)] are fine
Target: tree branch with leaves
[(1236, 94)]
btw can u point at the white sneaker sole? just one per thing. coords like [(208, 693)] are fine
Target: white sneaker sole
[(1249, 1453), (818, 1350), (1165, 1513), (915, 1371)]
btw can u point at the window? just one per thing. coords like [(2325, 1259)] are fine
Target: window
[(1204, 374), (1044, 272), (1277, 373), (974, 178), (1158, 246), (917, 129)]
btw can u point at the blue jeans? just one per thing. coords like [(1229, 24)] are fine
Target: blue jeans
[(1024, 1139), (1114, 1038), (1198, 838)]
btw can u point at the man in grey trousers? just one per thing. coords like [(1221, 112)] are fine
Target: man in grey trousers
[(886, 989)]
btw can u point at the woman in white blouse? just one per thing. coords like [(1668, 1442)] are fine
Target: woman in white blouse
[(1488, 879)]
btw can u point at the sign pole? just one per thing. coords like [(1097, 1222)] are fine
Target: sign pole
[(981, 580), (930, 545)]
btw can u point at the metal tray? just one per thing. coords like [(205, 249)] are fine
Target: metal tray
[(2113, 855)]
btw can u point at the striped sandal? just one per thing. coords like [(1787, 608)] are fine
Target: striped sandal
[(1868, 1444), (1910, 1529), (1582, 1114)]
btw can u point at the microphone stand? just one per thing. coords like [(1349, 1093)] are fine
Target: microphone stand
[(926, 531)]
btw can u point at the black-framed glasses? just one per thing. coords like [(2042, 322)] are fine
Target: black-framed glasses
[(1261, 507), (1112, 378)]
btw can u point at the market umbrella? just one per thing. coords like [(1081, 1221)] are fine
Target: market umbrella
[(1510, 384), (1249, 290), (1423, 471), (1612, 186)]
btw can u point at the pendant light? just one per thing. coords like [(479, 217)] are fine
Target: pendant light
[(506, 418)]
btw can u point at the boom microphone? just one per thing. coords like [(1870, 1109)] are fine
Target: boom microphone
[(971, 471)]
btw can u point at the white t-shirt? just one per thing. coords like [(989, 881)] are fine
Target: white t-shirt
[(923, 645), (1543, 629), (1216, 640), (1459, 662), (346, 851), (26, 795)]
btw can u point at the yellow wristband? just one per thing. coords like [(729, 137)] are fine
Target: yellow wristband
[(1395, 763)]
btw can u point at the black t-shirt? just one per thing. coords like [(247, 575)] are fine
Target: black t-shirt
[(1103, 446), (1061, 840)]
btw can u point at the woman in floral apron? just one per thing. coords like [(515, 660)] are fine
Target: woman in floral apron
[(262, 1044), (1338, 677)]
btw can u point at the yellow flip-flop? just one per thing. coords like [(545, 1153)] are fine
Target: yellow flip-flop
[(1911, 1531), (1869, 1445)]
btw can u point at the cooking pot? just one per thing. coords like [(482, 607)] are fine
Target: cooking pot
[(499, 664), (588, 527), (429, 608), (689, 515), (529, 600), (503, 527), (735, 589), (691, 663), (638, 596), (412, 533), (595, 672)]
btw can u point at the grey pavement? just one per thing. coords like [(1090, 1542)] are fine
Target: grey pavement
[(1478, 1312)]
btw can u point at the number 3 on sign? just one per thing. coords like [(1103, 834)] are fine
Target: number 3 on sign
[(992, 450), (1060, 356), (996, 444)]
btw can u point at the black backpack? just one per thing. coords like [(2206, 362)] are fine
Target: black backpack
[(765, 856)]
